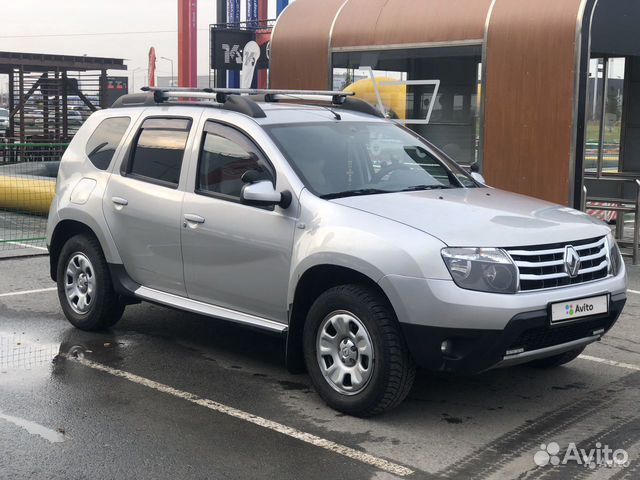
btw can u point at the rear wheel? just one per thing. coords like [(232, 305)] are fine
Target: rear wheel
[(355, 352), (84, 285), (557, 360)]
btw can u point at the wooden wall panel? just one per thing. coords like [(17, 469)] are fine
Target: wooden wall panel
[(356, 23), (530, 87), (300, 45), (385, 22), (301, 38)]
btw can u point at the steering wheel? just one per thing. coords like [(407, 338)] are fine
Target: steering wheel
[(388, 169)]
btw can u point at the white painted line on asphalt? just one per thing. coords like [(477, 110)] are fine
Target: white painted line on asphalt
[(634, 291), (314, 440), (28, 292), (28, 246), (35, 428), (613, 363)]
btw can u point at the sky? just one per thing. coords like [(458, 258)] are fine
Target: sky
[(59, 27)]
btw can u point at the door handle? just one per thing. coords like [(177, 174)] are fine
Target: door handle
[(120, 201), (189, 217)]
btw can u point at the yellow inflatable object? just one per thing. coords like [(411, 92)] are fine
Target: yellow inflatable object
[(394, 97), (27, 194)]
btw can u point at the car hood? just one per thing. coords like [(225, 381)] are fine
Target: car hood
[(481, 217)]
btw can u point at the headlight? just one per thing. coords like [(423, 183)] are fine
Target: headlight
[(482, 269), (615, 257)]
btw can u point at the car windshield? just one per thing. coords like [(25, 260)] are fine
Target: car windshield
[(340, 159), (4, 113)]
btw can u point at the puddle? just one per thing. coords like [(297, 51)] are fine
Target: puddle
[(16, 353), (20, 352), (33, 428)]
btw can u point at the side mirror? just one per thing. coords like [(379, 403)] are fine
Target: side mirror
[(478, 178), (474, 170), (262, 194)]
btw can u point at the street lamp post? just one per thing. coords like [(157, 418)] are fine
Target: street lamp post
[(172, 77), (133, 78)]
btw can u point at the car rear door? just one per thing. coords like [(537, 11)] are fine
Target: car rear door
[(143, 200)]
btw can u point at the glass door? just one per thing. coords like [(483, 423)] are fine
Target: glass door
[(603, 152)]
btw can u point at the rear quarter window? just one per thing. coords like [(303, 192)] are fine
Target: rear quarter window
[(104, 141)]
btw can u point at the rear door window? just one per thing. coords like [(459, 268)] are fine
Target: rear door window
[(102, 145), (158, 151)]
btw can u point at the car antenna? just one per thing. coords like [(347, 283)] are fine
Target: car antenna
[(335, 114)]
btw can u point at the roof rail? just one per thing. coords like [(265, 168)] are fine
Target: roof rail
[(244, 100), (134, 100)]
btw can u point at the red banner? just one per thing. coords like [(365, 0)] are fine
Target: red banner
[(152, 67)]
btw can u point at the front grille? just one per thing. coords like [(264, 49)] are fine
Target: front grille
[(543, 266), (543, 337)]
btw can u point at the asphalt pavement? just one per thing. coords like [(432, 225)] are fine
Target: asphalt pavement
[(167, 394)]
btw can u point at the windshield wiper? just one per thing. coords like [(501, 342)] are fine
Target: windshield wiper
[(417, 188), (354, 193)]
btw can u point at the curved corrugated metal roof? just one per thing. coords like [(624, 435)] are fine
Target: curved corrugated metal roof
[(394, 22)]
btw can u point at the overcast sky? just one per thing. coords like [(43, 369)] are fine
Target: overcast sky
[(60, 26), (30, 26)]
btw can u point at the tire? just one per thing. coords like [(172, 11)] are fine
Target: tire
[(87, 277), (342, 317), (557, 360)]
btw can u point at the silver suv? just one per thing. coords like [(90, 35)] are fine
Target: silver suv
[(311, 216)]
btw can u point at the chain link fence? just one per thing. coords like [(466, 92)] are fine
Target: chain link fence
[(27, 184)]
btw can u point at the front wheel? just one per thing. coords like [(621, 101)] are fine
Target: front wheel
[(84, 285), (355, 352)]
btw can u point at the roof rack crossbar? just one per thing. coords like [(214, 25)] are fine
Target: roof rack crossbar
[(240, 100), (161, 97), (249, 91)]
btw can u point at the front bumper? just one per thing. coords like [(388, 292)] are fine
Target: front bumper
[(526, 337), (483, 327)]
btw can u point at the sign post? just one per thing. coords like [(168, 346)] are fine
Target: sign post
[(252, 12), (221, 17), (263, 14), (188, 43), (233, 12), (281, 5)]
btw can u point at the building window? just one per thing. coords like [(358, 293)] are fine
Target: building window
[(434, 91)]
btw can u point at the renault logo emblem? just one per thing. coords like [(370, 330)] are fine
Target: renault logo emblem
[(571, 261)]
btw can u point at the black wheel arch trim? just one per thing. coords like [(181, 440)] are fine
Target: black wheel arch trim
[(64, 230)]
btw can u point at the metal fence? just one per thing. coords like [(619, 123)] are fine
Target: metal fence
[(27, 184)]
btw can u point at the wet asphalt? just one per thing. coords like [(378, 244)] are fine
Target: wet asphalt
[(86, 423)]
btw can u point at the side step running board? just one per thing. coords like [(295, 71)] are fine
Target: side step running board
[(208, 310)]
